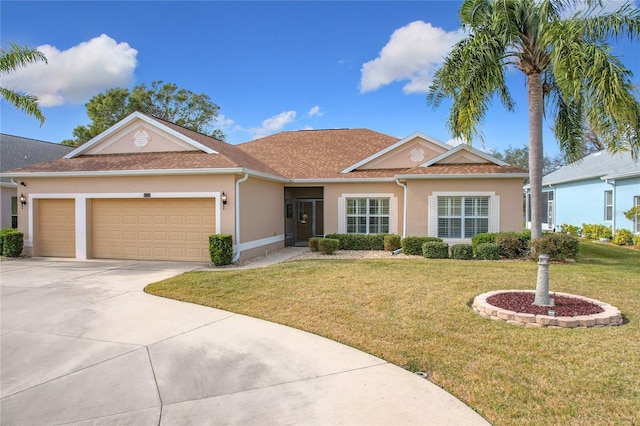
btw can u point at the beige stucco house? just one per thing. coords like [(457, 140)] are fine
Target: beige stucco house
[(149, 189)]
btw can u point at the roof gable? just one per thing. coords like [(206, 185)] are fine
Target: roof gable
[(463, 154), (403, 154), (139, 133)]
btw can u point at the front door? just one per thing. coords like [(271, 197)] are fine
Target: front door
[(308, 220)]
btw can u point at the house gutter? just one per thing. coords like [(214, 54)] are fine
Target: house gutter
[(404, 207), (237, 224)]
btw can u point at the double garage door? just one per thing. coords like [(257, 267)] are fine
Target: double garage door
[(145, 229)]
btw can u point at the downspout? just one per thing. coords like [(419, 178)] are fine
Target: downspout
[(237, 197), (612, 182), (404, 208)]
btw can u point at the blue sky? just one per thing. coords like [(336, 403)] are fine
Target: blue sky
[(270, 66)]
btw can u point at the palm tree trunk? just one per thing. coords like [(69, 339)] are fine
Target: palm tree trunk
[(536, 105), (536, 156)]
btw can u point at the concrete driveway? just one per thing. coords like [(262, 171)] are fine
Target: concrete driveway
[(82, 343)]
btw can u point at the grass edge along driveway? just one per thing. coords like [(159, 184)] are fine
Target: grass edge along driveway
[(415, 313)]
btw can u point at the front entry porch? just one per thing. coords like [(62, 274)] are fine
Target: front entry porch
[(304, 217)]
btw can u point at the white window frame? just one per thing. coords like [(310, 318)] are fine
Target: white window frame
[(14, 212), (494, 210), (608, 205), (393, 210)]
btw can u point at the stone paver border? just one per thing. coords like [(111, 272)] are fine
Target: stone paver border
[(610, 317)]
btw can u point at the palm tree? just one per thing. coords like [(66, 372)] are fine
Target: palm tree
[(12, 59), (569, 69)]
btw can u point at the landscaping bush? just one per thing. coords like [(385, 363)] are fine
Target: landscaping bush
[(13, 242), (4, 232), (392, 242), (328, 245), (487, 237), (462, 251), (435, 250), (570, 229), (359, 241), (487, 251), (221, 249), (622, 237), (512, 244), (313, 243), (636, 241), (559, 247), (413, 245), (595, 232)]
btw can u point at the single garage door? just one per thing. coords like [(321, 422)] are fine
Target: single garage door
[(153, 228), (56, 229)]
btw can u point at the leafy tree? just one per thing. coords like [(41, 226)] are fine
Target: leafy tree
[(519, 157), (569, 69), (164, 101), (12, 59)]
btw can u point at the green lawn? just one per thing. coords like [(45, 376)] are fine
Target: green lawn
[(415, 313)]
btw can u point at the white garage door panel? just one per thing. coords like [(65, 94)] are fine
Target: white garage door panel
[(56, 232), (158, 229)]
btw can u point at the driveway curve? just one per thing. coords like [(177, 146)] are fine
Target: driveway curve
[(82, 344)]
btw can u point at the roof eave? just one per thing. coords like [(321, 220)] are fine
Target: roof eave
[(151, 172), (466, 176)]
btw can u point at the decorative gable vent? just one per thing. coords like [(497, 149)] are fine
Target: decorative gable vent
[(417, 155), (141, 138)]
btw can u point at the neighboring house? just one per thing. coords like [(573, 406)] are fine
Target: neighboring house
[(149, 189), (595, 190), (16, 152)]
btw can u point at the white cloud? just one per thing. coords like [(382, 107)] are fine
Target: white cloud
[(456, 142), (413, 53), (273, 124), (77, 74), (222, 122), (315, 112)]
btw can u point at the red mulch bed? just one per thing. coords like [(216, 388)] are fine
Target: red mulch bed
[(523, 303)]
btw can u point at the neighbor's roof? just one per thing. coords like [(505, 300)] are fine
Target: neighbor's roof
[(601, 164), (16, 152)]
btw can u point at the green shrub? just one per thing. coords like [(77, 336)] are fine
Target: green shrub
[(487, 251), (487, 237), (622, 237), (462, 251), (636, 240), (313, 243), (221, 249), (359, 241), (435, 250), (558, 246), (570, 229), (413, 245), (4, 232), (13, 242), (512, 244), (328, 245), (392, 242), (595, 232)]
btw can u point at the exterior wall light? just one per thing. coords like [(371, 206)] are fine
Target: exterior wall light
[(224, 199), (23, 200)]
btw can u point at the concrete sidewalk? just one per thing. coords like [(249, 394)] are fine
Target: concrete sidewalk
[(82, 343)]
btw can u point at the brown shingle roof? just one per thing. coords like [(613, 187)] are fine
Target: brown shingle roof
[(317, 154)]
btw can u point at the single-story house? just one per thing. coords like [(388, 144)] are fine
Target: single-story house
[(16, 152), (150, 189), (595, 190)]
